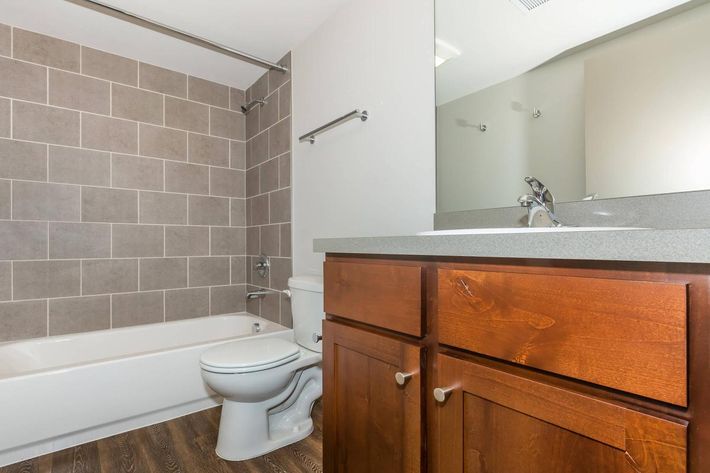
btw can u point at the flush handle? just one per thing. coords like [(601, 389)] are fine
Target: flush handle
[(402, 378), (317, 337), (442, 394)]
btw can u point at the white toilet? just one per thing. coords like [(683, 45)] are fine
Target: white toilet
[(269, 384)]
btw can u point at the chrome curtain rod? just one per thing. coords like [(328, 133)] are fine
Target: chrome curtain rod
[(311, 136), (122, 14)]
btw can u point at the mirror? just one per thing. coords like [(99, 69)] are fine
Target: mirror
[(597, 99)]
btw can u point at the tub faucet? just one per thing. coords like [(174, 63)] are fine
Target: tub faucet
[(265, 292), (540, 204)]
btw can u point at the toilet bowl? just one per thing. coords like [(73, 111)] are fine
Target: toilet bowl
[(269, 384)]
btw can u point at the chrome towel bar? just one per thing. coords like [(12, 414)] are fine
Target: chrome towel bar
[(311, 136)]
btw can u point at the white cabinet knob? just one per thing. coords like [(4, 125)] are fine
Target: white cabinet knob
[(402, 378), (442, 394)]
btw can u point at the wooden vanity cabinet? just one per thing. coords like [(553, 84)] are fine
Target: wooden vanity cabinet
[(524, 366)]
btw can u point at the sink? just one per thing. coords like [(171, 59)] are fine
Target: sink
[(498, 231)]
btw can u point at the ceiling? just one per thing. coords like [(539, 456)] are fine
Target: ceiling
[(264, 28), (499, 41)]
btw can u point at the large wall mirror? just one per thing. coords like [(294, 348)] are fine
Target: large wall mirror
[(596, 98)]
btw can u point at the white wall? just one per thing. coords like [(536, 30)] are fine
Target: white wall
[(377, 177)]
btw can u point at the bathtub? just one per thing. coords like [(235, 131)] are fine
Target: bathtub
[(62, 391)]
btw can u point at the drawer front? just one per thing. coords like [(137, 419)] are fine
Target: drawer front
[(626, 335), (383, 295)]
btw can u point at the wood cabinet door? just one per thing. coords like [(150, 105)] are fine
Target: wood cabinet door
[(372, 423), (497, 422)]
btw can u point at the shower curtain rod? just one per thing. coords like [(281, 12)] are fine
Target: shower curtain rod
[(122, 14)]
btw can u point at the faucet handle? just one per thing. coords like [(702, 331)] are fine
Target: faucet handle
[(526, 200)]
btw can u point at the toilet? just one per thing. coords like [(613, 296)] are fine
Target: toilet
[(269, 384)]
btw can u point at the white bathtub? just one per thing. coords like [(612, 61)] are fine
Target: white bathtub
[(62, 391)]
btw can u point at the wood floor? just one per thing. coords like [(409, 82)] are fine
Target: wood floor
[(184, 445)]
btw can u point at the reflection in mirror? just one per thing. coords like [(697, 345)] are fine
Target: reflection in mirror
[(594, 99)]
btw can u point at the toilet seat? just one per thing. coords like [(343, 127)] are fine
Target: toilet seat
[(249, 355)]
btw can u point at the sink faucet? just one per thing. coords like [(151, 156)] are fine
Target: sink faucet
[(540, 204)]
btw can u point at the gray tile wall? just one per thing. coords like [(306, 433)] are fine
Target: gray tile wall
[(122, 190), (268, 190)]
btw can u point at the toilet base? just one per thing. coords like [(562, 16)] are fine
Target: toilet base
[(251, 429)]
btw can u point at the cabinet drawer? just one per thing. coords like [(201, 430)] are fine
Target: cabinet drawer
[(626, 335), (383, 295)]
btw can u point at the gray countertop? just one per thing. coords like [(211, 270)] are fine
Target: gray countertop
[(669, 246)]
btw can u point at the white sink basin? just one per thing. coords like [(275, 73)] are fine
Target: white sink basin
[(496, 231)]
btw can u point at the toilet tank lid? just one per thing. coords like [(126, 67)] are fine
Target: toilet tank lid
[(306, 283)]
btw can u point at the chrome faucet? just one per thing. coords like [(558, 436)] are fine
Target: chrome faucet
[(540, 204)]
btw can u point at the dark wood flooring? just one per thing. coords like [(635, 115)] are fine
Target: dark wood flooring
[(184, 445)]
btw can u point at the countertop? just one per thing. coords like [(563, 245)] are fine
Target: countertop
[(650, 245)]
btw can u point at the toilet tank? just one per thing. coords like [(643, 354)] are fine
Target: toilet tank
[(307, 309)]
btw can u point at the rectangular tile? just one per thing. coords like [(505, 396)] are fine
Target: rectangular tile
[(285, 170), (252, 181), (285, 101), (134, 172), (253, 306), (227, 299), (187, 178), (43, 201), (260, 88), (239, 269), (162, 80), (227, 182), (79, 166), (47, 50), (6, 280), (107, 276), (278, 78), (163, 143), (258, 152), (136, 309), (108, 66), (253, 235), (70, 90), (228, 241), (286, 314), (209, 271), (79, 314), (43, 279), (227, 124), (237, 155), (163, 273), (280, 138), (109, 134), (269, 175), (285, 239), (270, 235), (208, 210), (109, 205), (79, 240), (20, 80), (251, 125), (21, 320), (5, 118), (133, 241), (22, 160), (259, 211), (269, 113), (163, 208), (52, 125), (187, 303), (186, 115), (212, 93), (5, 199), (187, 241), (280, 206), (280, 272), (23, 240), (236, 99), (238, 213), (5, 40), (136, 104), (270, 308), (203, 149)]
